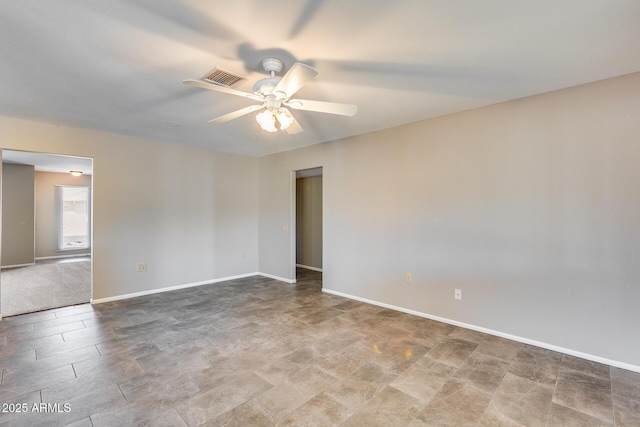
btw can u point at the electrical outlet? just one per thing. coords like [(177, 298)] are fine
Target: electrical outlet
[(408, 278), (285, 228), (243, 254), (141, 266), (23, 224), (458, 294)]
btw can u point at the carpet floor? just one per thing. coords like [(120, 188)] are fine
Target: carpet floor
[(44, 286)]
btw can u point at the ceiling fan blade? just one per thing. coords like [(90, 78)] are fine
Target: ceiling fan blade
[(238, 113), (298, 75), (322, 107), (294, 127), (224, 89)]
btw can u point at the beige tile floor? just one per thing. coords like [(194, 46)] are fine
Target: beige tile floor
[(260, 352)]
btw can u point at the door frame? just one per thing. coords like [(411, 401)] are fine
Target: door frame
[(292, 218), (91, 237)]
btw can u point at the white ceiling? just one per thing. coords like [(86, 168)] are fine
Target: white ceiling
[(118, 65), (49, 162)]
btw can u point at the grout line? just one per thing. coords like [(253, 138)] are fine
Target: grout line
[(613, 411), (180, 415), (140, 364), (122, 393), (555, 386), (493, 395)]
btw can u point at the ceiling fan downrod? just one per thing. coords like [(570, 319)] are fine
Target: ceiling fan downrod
[(265, 86)]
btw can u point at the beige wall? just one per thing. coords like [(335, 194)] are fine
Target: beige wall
[(530, 207), (189, 213), (46, 212), (309, 221), (17, 215)]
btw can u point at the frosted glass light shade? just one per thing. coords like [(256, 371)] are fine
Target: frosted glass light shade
[(267, 121), (285, 118)]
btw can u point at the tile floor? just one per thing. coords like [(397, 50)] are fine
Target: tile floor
[(260, 352)]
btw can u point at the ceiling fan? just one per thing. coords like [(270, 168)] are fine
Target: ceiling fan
[(275, 94)]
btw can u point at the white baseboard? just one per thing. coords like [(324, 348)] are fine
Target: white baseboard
[(552, 347), (63, 256), (18, 265), (282, 279), (170, 288), (308, 267), (188, 285)]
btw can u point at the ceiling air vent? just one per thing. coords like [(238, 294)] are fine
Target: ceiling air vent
[(222, 77)]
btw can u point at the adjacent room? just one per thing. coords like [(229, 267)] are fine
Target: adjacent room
[(46, 232), (320, 212)]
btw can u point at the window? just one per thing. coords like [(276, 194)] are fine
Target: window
[(73, 217)]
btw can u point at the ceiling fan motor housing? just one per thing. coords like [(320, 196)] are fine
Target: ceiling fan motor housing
[(272, 103), (265, 86)]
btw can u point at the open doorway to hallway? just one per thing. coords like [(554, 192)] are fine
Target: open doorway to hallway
[(308, 241), (46, 255)]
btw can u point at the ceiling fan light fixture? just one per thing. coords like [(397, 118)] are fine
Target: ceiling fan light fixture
[(267, 121), (273, 93), (284, 118)]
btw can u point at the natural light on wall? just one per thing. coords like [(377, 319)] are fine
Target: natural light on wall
[(73, 205)]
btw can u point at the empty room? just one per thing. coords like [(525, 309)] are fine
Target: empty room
[(322, 212)]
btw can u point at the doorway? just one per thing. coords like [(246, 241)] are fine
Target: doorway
[(308, 223), (46, 231)]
